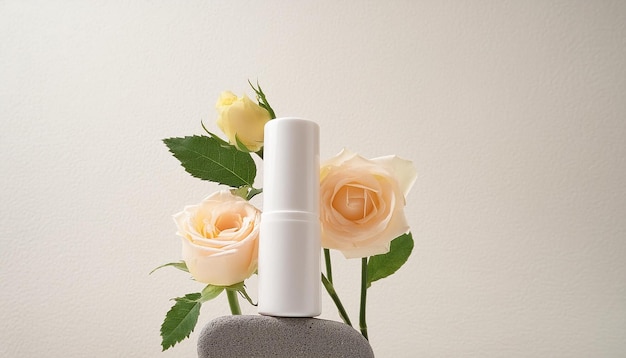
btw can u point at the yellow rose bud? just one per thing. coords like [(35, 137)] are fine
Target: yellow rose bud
[(241, 120), (362, 202)]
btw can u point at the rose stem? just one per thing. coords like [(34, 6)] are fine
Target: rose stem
[(233, 302), (329, 270), (328, 284), (333, 294), (362, 323)]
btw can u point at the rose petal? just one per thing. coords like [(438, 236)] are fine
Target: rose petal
[(344, 155), (403, 170)]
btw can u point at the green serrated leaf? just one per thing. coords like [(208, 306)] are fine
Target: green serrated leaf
[(206, 158), (181, 265), (180, 320), (381, 266)]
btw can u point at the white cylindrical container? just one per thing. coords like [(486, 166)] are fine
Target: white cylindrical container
[(289, 242)]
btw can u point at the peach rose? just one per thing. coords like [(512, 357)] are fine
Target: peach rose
[(242, 119), (220, 238), (362, 202)]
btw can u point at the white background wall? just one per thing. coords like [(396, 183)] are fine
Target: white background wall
[(514, 113)]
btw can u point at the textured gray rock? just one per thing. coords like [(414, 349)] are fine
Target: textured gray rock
[(264, 336)]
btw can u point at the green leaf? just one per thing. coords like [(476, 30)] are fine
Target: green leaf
[(208, 159), (181, 265), (180, 320), (381, 266)]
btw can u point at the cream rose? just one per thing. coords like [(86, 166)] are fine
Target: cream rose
[(242, 119), (220, 238), (362, 202)]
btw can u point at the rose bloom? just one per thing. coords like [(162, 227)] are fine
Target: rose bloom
[(220, 238), (243, 119), (362, 202)]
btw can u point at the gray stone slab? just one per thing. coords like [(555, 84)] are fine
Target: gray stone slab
[(265, 336)]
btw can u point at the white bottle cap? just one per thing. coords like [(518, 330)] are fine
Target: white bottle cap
[(291, 166), (289, 243)]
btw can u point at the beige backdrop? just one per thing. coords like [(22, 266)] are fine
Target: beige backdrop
[(514, 113)]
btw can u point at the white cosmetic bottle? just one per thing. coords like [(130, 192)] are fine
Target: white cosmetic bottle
[(289, 242)]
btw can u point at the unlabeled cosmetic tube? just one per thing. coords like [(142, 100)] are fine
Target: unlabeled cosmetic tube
[(289, 242)]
